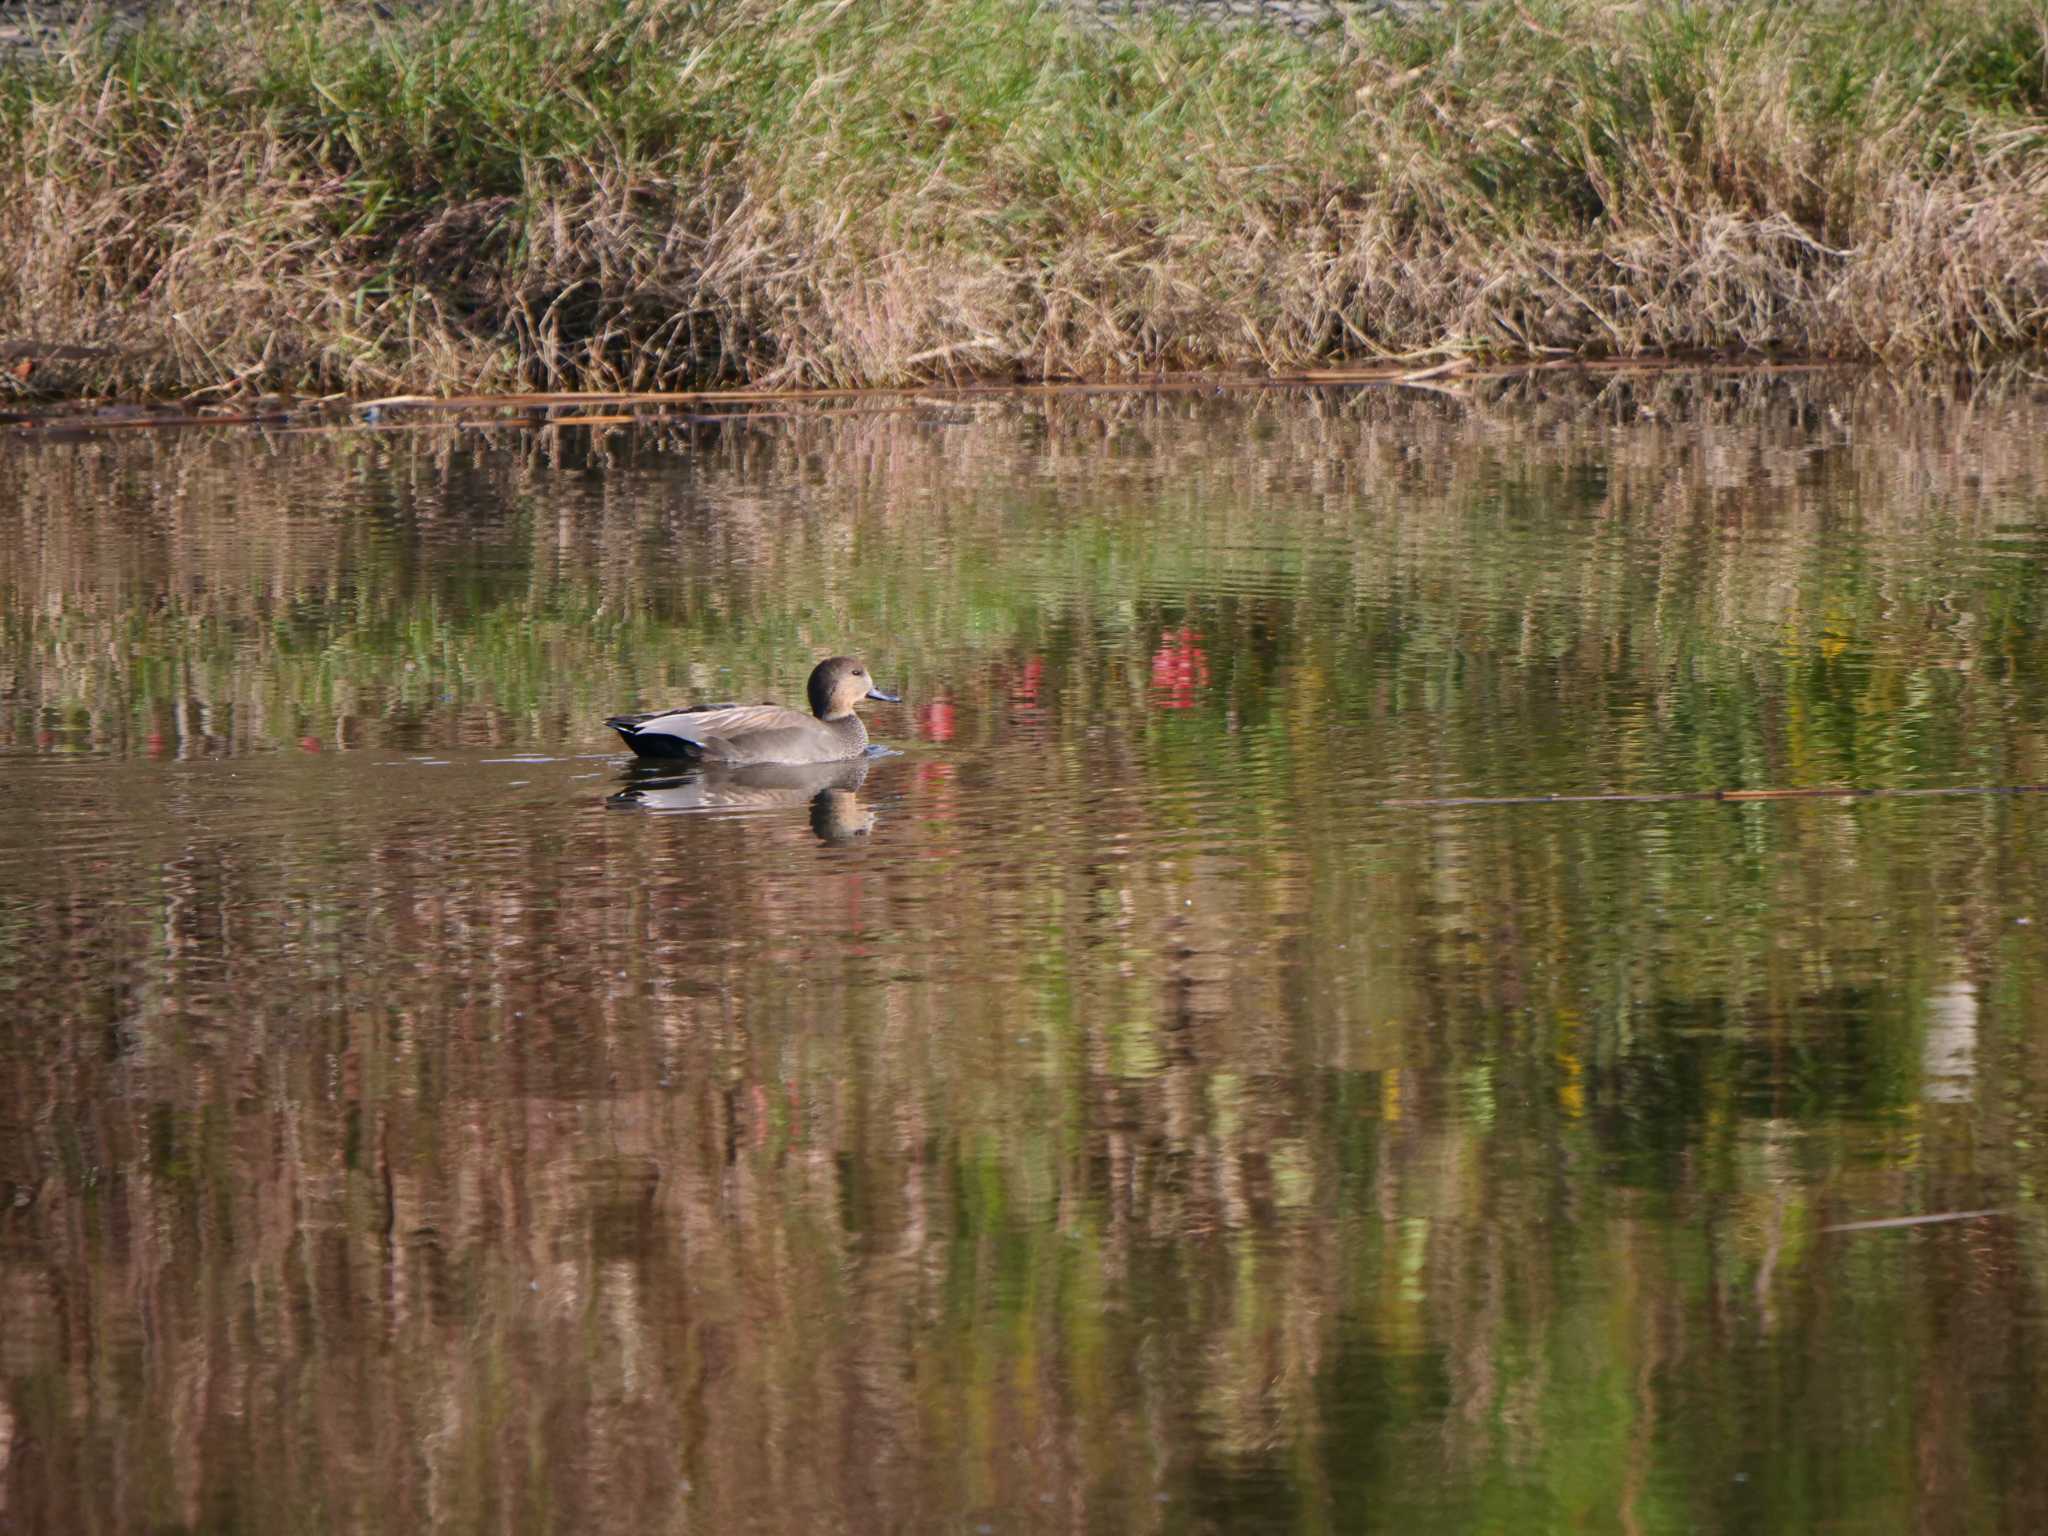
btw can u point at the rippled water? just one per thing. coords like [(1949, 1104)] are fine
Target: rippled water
[(1104, 1110)]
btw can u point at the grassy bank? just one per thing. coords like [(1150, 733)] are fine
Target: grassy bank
[(655, 193)]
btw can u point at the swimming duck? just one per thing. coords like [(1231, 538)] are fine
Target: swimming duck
[(764, 733)]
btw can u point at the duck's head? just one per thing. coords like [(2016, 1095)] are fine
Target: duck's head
[(840, 682)]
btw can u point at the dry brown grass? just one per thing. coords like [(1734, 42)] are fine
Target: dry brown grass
[(652, 194)]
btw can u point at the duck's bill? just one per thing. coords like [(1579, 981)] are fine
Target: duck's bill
[(885, 698)]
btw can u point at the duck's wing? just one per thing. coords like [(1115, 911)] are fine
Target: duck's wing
[(645, 716), (709, 731)]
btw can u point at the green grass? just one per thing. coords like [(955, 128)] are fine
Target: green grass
[(523, 194)]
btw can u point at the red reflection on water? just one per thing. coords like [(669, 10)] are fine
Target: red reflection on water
[(309, 743), (935, 720), (1025, 689), (1180, 668)]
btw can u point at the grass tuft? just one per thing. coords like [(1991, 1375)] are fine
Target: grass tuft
[(529, 194)]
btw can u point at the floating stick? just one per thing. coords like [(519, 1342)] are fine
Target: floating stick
[(1883, 1223)]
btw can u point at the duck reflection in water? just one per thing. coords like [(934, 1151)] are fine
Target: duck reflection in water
[(831, 789)]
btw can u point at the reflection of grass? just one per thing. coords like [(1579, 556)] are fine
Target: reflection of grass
[(792, 190), (1521, 590)]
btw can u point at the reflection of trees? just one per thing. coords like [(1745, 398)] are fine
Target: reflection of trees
[(1650, 545), (1148, 1112)]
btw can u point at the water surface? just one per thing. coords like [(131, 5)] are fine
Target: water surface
[(1108, 1113)]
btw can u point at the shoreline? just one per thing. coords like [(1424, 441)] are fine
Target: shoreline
[(562, 408), (515, 195)]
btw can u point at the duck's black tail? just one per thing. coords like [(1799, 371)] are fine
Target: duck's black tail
[(654, 744)]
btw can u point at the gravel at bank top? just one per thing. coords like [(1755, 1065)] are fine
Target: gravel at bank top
[(42, 23)]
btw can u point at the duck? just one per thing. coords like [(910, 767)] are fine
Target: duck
[(736, 734)]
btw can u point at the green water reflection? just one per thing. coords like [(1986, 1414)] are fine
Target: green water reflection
[(1104, 1113)]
